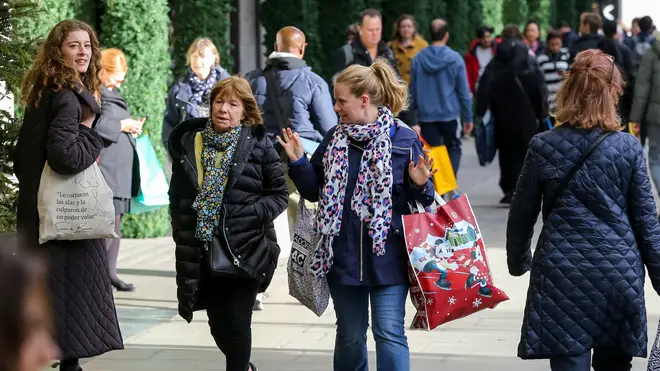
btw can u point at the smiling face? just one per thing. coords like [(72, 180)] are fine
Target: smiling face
[(77, 50), (351, 109), (227, 112)]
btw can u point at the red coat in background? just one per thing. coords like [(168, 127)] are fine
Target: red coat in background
[(472, 62)]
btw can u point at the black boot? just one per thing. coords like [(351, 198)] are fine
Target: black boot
[(70, 365), (120, 285)]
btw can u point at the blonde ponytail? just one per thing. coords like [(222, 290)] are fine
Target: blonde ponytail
[(380, 82), (395, 90)]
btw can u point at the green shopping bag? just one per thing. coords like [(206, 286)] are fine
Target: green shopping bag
[(153, 183)]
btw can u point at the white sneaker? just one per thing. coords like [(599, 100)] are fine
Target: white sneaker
[(259, 302)]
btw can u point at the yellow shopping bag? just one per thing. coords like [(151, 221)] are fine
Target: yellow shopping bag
[(444, 179)]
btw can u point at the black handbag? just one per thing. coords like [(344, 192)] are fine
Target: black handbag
[(221, 261)]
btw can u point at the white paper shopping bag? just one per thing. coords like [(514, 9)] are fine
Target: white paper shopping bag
[(75, 207)]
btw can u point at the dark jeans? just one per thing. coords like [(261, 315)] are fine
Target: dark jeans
[(229, 304), (112, 248), (447, 133), (511, 159), (604, 359)]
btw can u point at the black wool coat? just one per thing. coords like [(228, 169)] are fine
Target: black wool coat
[(79, 285), (256, 193)]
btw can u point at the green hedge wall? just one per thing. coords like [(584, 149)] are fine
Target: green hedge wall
[(200, 18), (492, 14), (48, 14), (515, 12), (139, 28)]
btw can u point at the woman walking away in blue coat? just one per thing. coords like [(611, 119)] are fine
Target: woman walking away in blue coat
[(600, 229), (363, 177)]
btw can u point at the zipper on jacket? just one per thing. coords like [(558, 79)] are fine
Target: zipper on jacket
[(194, 169), (224, 218), (361, 251)]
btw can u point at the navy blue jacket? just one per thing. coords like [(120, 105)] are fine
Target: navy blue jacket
[(587, 273), (355, 263), (178, 107), (305, 98)]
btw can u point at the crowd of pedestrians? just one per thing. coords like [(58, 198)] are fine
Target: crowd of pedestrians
[(243, 150)]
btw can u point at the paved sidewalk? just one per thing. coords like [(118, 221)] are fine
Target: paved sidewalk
[(286, 336)]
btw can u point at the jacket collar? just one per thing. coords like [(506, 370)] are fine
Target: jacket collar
[(182, 147), (358, 45), (417, 44)]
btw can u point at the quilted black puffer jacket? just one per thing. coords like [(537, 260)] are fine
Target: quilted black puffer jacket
[(78, 281), (256, 193), (587, 273)]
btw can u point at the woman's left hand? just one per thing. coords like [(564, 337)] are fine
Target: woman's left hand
[(421, 172)]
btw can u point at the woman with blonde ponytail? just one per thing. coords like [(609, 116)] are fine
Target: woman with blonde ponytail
[(363, 176)]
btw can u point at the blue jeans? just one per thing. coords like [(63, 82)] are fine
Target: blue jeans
[(388, 305), (604, 359)]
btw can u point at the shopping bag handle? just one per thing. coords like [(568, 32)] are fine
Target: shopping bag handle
[(418, 208)]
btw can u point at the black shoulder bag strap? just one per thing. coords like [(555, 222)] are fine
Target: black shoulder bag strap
[(273, 90), (567, 178)]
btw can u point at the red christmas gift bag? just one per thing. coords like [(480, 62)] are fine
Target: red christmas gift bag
[(449, 272)]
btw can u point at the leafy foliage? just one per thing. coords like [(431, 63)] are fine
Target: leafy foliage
[(492, 14), (566, 12), (16, 53), (48, 14), (515, 12), (459, 25), (539, 11), (200, 18), (139, 28)]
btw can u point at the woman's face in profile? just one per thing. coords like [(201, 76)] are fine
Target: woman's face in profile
[(77, 50), (227, 113), (38, 349)]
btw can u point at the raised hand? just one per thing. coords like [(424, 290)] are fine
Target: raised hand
[(292, 144), (421, 172)]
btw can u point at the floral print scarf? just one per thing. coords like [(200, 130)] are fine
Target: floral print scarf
[(208, 202), (372, 198), (201, 90)]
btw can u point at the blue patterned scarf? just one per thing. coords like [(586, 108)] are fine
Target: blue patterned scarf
[(208, 202)]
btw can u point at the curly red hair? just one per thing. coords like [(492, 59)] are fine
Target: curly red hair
[(50, 70)]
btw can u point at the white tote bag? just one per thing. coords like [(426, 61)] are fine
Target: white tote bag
[(75, 207)]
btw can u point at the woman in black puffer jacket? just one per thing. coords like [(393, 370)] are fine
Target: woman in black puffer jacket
[(227, 188)]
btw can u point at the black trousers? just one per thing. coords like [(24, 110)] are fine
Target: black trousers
[(447, 133), (512, 159), (604, 359), (229, 305)]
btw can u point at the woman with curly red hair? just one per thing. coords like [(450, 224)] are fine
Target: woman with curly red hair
[(60, 93)]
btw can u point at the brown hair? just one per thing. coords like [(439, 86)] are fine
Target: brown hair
[(113, 60), (380, 82), (511, 31), (238, 88), (50, 69), (21, 275), (198, 46), (594, 21), (371, 13), (590, 94), (397, 25)]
